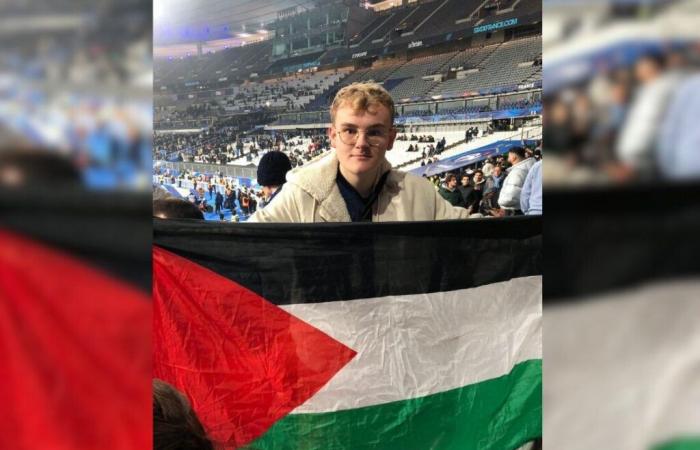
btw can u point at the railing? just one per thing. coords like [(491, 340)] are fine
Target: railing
[(231, 171), (533, 134)]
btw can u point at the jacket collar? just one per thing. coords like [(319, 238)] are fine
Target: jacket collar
[(319, 181), (524, 162)]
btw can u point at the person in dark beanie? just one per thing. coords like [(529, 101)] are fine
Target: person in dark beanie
[(272, 172), (175, 424)]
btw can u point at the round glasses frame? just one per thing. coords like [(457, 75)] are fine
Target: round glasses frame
[(375, 140)]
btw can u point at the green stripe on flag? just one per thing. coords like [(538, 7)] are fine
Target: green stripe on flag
[(686, 443), (500, 413)]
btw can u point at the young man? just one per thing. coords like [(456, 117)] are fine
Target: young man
[(472, 201), (464, 187), (449, 191), (509, 198), (355, 182)]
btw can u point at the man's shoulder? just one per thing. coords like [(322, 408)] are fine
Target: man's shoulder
[(535, 168), (521, 169), (316, 179), (407, 178), (408, 182)]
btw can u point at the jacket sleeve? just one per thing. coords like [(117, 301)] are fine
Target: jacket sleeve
[(283, 208), (531, 196), (510, 192), (526, 192), (445, 211)]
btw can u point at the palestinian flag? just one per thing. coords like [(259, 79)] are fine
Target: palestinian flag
[(353, 336)]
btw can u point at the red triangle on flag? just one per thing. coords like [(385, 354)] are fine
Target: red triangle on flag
[(243, 362)]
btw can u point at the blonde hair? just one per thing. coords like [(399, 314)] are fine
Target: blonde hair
[(361, 97)]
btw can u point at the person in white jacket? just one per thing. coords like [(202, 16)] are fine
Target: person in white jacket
[(509, 198), (355, 182)]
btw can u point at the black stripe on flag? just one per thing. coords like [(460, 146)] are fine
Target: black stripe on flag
[(308, 263), (602, 239), (110, 230)]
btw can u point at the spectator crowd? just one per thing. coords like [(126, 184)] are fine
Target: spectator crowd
[(507, 185), (223, 145)]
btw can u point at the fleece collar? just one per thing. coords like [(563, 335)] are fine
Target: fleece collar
[(319, 181)]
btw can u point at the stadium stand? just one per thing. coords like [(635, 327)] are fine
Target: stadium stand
[(445, 75), (493, 66)]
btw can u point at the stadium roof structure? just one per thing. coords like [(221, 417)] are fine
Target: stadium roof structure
[(192, 21)]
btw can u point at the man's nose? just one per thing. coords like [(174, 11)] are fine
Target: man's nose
[(361, 140)]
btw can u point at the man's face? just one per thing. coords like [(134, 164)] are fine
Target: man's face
[(512, 158), (452, 183), (372, 134), (646, 70), (478, 177), (497, 171), (465, 181)]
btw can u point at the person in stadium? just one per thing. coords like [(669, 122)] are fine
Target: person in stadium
[(489, 204), (355, 182), (495, 181), (531, 196), (245, 203), (449, 191), (679, 136), (272, 172), (175, 424), (635, 146), (473, 199), (229, 198), (464, 186), (487, 168), (219, 201), (253, 202), (509, 198)]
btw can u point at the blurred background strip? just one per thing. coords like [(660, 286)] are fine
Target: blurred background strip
[(75, 234), (622, 194)]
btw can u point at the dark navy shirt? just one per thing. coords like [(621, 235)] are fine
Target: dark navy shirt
[(355, 203)]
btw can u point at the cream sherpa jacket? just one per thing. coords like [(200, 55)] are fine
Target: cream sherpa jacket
[(312, 195)]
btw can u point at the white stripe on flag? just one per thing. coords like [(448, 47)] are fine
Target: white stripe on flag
[(622, 371), (415, 345)]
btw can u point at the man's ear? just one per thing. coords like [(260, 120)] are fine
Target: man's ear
[(331, 135), (392, 138)]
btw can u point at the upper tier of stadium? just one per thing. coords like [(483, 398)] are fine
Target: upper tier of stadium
[(441, 49)]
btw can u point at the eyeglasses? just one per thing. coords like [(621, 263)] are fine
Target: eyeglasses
[(375, 137)]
